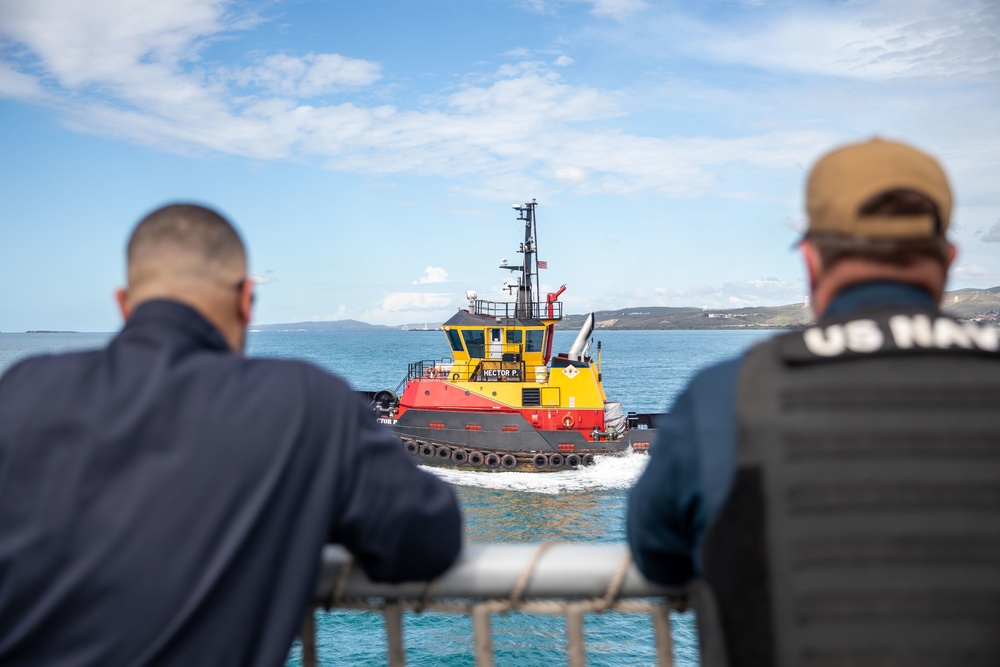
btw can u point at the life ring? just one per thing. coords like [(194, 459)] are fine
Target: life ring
[(431, 372), (568, 421)]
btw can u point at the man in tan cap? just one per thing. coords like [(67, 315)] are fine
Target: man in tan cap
[(833, 497)]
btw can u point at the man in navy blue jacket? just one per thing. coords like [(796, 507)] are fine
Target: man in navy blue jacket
[(165, 500), (833, 493)]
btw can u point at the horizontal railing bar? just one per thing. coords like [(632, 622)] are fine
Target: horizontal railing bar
[(486, 571)]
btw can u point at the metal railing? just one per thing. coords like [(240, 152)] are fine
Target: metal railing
[(567, 579), (536, 310)]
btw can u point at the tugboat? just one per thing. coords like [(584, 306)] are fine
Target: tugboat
[(502, 401)]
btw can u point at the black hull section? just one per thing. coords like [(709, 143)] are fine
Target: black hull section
[(504, 442)]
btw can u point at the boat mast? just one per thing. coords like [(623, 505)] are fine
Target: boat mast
[(524, 307)]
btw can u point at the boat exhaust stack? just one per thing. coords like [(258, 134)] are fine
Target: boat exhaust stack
[(580, 344)]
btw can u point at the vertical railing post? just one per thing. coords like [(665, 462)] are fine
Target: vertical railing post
[(663, 637), (483, 633), (307, 637), (393, 614), (576, 651)]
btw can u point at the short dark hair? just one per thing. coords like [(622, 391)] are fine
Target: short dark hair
[(200, 233), (900, 252), (189, 225)]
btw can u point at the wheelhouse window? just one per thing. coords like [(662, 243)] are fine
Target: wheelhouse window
[(475, 342), (513, 336), (455, 339), (536, 340)]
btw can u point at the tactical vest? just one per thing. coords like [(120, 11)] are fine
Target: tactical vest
[(863, 526)]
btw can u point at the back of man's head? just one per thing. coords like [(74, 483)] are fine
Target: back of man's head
[(184, 243), (192, 254), (877, 209)]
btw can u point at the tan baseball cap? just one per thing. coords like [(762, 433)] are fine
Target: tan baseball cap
[(845, 179)]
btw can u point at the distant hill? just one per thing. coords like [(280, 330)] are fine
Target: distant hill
[(660, 318), (969, 304), (335, 325)]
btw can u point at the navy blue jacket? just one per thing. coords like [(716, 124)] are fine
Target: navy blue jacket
[(691, 465), (165, 501)]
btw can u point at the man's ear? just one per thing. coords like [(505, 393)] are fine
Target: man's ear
[(246, 301), (121, 296), (814, 264)]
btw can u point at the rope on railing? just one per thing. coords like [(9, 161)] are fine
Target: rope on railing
[(483, 610)]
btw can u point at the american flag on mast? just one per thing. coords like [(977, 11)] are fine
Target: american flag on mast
[(542, 265)]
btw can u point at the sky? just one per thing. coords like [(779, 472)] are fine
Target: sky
[(370, 153)]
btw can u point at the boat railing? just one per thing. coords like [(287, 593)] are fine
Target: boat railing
[(566, 579), (536, 310), (429, 369)]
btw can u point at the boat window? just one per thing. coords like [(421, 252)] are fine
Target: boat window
[(455, 339), (475, 342), (536, 338), (513, 336)]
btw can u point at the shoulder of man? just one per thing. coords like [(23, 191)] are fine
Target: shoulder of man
[(38, 369), (295, 382)]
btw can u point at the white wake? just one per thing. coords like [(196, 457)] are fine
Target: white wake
[(608, 472)]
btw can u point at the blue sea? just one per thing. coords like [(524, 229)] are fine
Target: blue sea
[(644, 370)]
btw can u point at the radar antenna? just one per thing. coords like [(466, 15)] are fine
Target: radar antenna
[(524, 305)]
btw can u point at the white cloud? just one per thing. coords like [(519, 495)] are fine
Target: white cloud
[(563, 61), (432, 274), (973, 275), (573, 175), (753, 292), (134, 69), (993, 235), (310, 75), (617, 9), (18, 85), (401, 307), (81, 41), (884, 39)]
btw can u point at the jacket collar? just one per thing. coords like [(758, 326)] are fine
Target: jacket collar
[(177, 321), (877, 295)]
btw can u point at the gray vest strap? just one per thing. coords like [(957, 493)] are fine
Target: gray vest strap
[(863, 528)]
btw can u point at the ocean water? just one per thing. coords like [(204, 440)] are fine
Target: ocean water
[(644, 370)]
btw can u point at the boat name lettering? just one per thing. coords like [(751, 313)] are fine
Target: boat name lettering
[(502, 372), (386, 420)]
